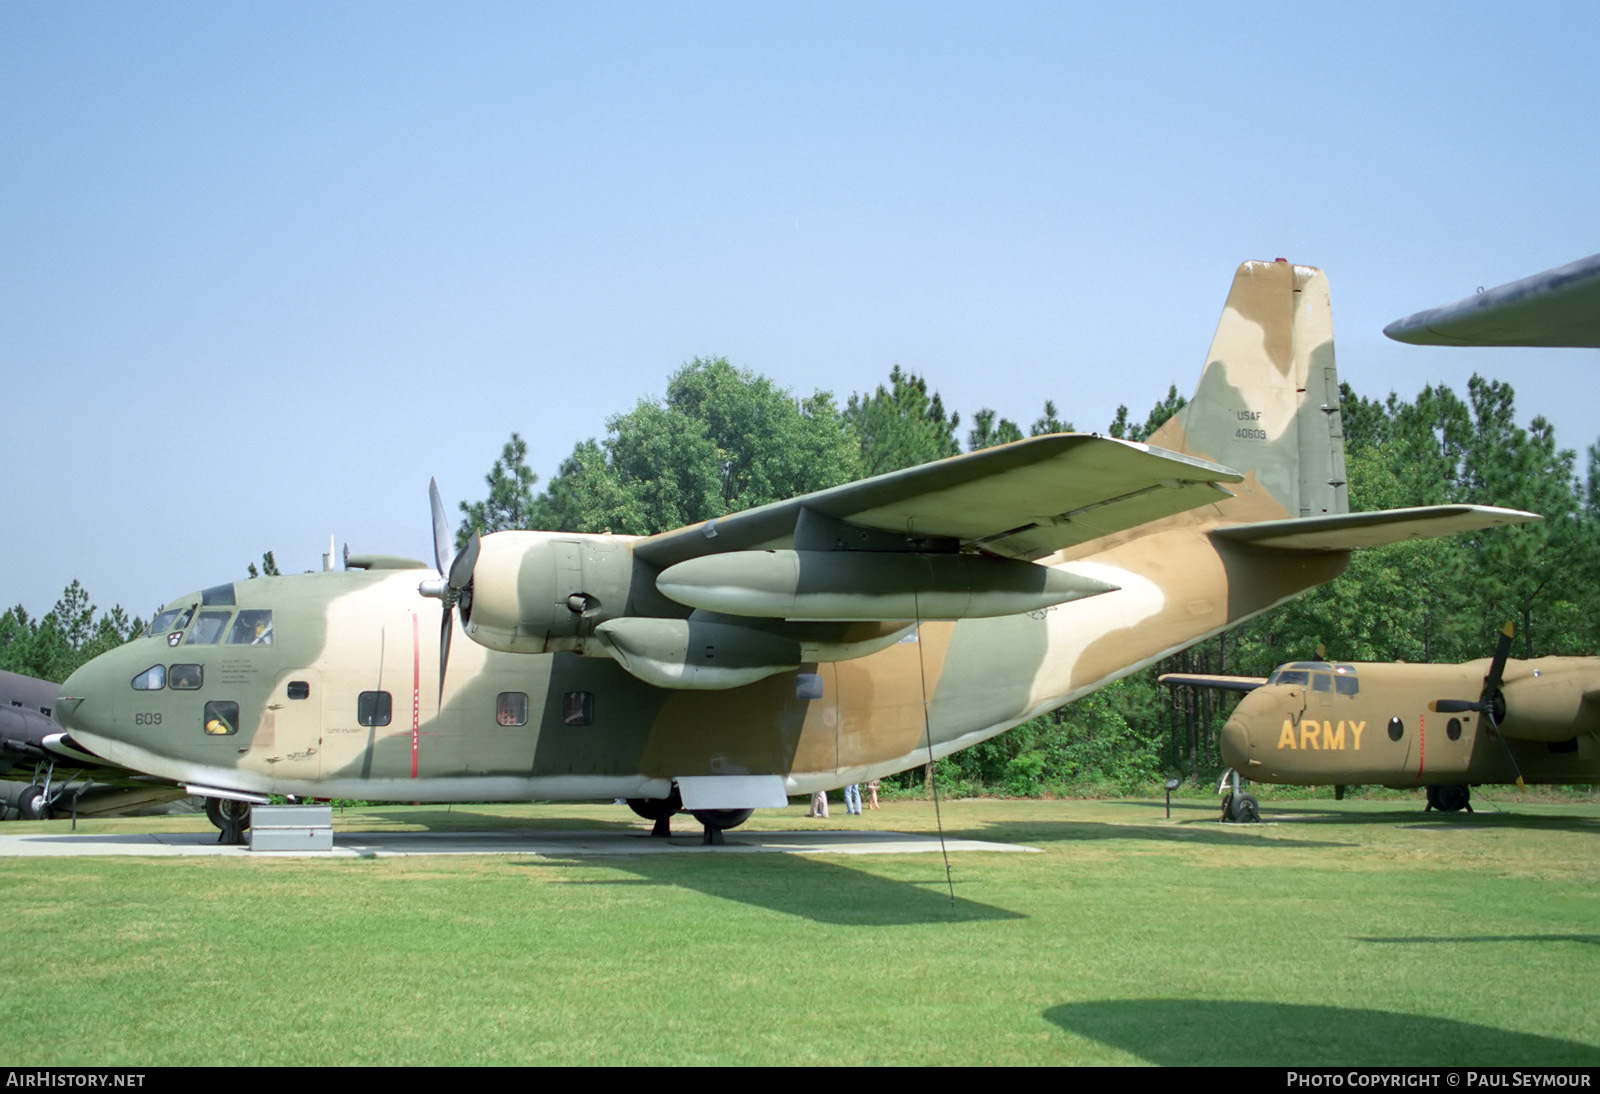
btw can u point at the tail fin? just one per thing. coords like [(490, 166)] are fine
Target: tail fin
[(1268, 401)]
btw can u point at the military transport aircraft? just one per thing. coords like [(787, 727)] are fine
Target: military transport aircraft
[(32, 742), (798, 646), (1559, 307), (1443, 727)]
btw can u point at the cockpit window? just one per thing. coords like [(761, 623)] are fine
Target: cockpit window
[(1346, 685), (1290, 676), (153, 678), (252, 628), (185, 677), (208, 629), (218, 594), (1321, 681), (162, 623)]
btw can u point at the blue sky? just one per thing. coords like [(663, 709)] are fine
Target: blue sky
[(268, 267)]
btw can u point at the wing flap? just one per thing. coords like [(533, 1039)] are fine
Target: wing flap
[(1349, 531), (1023, 500)]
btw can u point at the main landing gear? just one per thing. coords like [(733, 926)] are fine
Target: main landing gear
[(661, 811), (1449, 799), (231, 818)]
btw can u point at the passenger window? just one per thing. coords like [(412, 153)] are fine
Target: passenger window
[(299, 689), (1453, 730), (185, 677), (252, 628), (1397, 729), (511, 708), (221, 718), (208, 629), (577, 708), (153, 678), (374, 708)]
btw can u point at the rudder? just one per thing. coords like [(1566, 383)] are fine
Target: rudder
[(1268, 400)]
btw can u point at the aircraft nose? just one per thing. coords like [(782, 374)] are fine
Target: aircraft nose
[(76, 703), (1235, 743)]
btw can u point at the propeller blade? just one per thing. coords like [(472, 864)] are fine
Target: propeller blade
[(1497, 668), (441, 528), (1455, 706), (446, 625), (461, 568)]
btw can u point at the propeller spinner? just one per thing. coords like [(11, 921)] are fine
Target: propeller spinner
[(453, 586)]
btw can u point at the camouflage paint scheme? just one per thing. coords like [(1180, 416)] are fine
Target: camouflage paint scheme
[(1237, 504), (1379, 727)]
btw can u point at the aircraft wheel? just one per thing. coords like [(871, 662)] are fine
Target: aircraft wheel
[(722, 818), (1246, 810), (654, 809), (231, 818), (1452, 799), (31, 803)]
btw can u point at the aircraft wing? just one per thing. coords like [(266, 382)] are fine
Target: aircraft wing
[(1022, 500), (1560, 307), (1202, 680)]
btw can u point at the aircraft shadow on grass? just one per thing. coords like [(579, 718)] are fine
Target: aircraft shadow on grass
[(1181, 1032), (823, 892), (1587, 939)]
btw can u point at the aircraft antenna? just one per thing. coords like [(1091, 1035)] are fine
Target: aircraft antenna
[(927, 730)]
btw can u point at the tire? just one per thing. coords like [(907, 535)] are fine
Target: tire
[(654, 809), (722, 818), (1246, 810), (1453, 798), (32, 804), (225, 811)]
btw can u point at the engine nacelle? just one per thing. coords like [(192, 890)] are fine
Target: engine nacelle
[(538, 592)]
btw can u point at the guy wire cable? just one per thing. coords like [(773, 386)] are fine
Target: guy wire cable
[(927, 729)]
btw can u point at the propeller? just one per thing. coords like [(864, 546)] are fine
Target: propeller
[(452, 586), (1491, 702)]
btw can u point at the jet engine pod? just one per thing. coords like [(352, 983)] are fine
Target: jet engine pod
[(696, 655), (863, 585), (537, 592)]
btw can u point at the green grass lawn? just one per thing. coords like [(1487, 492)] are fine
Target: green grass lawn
[(1356, 932)]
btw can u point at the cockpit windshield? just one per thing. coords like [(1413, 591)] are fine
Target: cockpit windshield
[(1339, 678)]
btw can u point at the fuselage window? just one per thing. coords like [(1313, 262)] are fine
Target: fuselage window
[(252, 628), (1397, 729), (221, 718), (577, 708), (374, 708), (511, 708), (185, 677), (1453, 730), (153, 678), (208, 629), (299, 689)]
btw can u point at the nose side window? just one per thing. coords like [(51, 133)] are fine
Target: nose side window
[(153, 678)]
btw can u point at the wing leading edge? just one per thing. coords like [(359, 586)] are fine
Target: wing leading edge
[(1022, 500)]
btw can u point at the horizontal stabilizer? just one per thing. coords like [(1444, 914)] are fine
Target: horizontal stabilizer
[(1201, 680), (1021, 500), (1559, 307), (1348, 531)]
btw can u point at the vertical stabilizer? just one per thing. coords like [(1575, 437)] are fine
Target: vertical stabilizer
[(1268, 401)]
